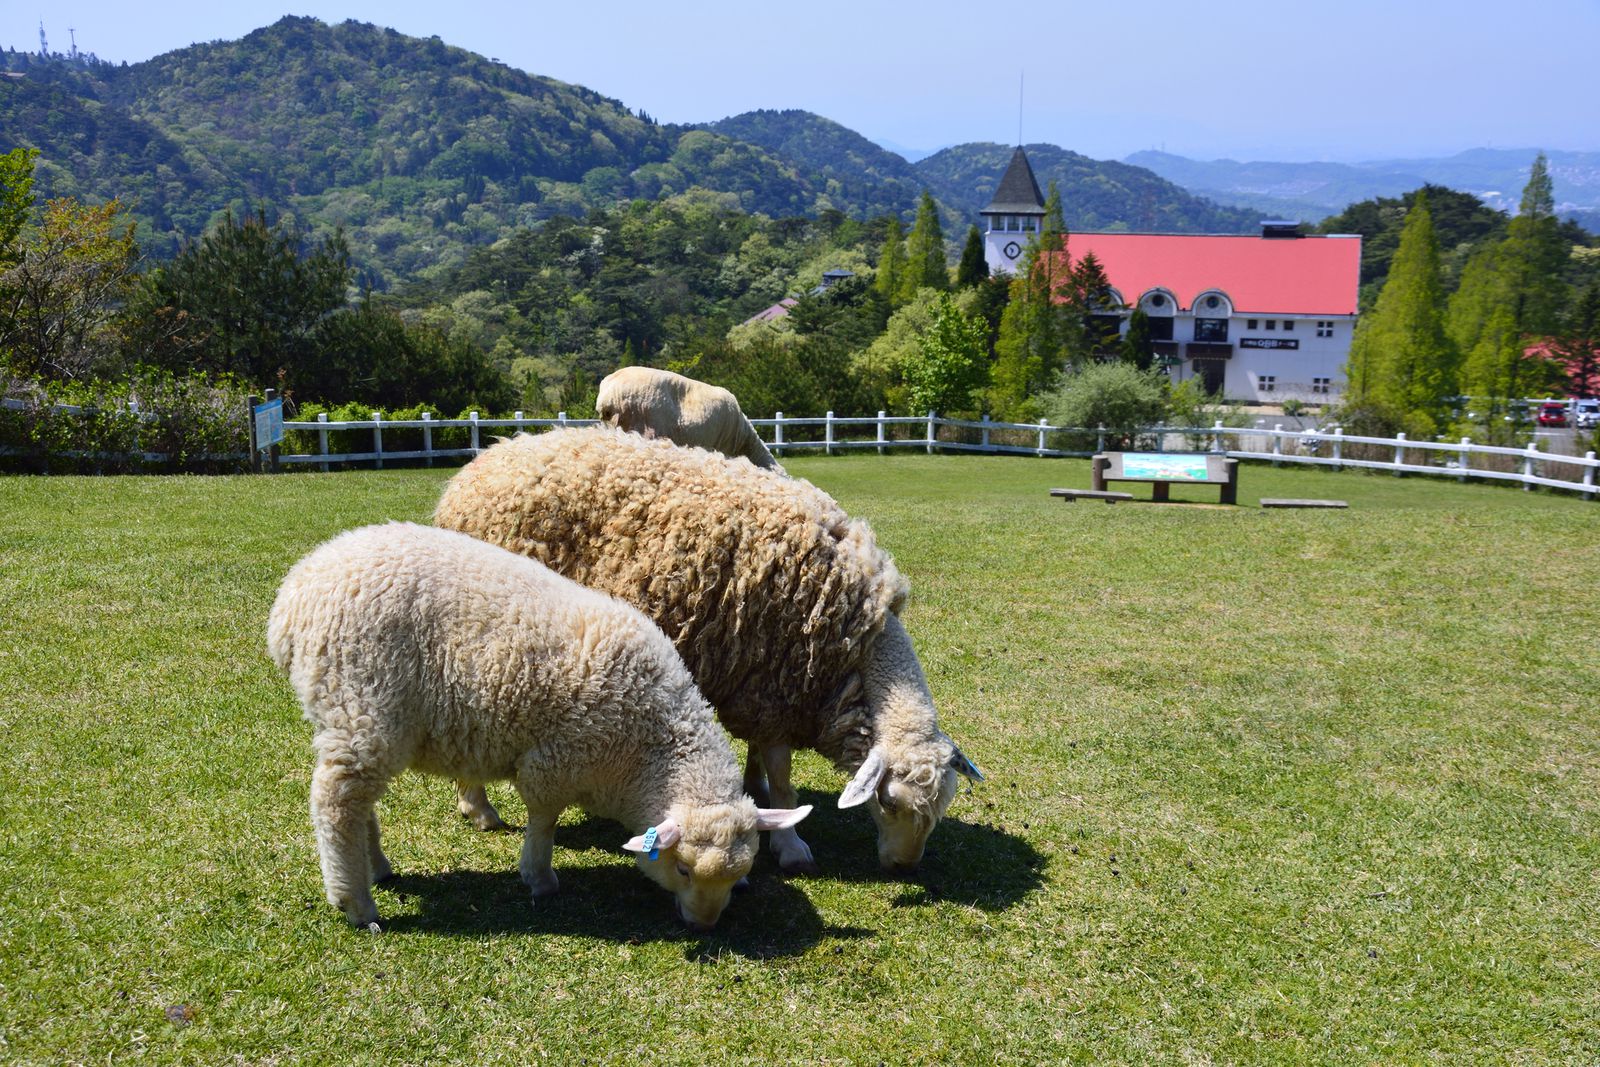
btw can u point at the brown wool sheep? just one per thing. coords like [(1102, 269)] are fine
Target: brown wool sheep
[(414, 647), (782, 606), (659, 403)]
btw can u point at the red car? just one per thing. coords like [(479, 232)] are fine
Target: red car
[(1552, 414)]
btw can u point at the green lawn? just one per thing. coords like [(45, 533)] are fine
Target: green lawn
[(1271, 787)]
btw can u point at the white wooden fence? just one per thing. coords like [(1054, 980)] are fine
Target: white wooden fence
[(1530, 466)]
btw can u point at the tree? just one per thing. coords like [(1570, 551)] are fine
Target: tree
[(1578, 344), (1402, 361), (974, 266), (926, 266), (1138, 348), (59, 297), (245, 299), (952, 362), (892, 266), (1030, 346), (1117, 396), (16, 198)]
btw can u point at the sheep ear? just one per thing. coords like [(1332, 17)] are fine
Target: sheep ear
[(666, 833), (962, 765), (865, 783), (780, 818)]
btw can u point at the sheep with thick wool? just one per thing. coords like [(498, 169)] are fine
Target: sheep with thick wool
[(783, 607), (659, 403), (415, 647)]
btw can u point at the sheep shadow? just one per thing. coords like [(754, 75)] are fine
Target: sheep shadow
[(967, 862), (772, 919)]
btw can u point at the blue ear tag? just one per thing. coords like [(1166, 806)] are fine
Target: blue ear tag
[(650, 843)]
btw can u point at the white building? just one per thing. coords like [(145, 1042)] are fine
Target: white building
[(1259, 317)]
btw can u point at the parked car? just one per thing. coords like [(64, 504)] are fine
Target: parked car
[(1586, 414), (1552, 413)]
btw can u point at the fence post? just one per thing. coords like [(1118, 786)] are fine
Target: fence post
[(273, 450), (777, 434), (985, 441), (881, 416), (1216, 436), (472, 417), (1399, 448), (931, 433), (1277, 442), (427, 436), (250, 403), (377, 435), (1338, 447), (561, 420), (1465, 462), (1100, 438), (1588, 477), (322, 437), (1527, 465), (827, 434), (516, 417), (1042, 425)]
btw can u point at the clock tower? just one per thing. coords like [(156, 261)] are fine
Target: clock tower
[(1013, 217)]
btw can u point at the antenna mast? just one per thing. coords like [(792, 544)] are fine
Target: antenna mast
[(73, 34), (44, 45), (1020, 77)]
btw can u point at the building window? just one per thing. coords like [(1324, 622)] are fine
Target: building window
[(1211, 329), (1158, 300), (1250, 324), (1288, 325), (1320, 385), (1160, 327), (1324, 329), (1267, 382), (1030, 224), (1272, 324)]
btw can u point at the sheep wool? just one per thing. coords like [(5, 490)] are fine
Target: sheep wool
[(782, 606), (659, 403), (415, 647)]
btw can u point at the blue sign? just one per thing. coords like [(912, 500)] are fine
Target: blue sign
[(269, 423)]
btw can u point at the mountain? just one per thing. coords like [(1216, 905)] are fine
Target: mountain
[(1095, 194), (422, 151), (1312, 190)]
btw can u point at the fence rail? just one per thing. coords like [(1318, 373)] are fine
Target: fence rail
[(1322, 447)]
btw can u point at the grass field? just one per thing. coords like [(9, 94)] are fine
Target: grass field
[(1271, 787)]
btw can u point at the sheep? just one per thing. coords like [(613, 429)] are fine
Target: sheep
[(782, 606), (659, 403), (415, 647)]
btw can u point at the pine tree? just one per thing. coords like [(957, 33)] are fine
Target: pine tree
[(974, 265), (1030, 348), (1138, 348), (1402, 362), (925, 251), (892, 263)]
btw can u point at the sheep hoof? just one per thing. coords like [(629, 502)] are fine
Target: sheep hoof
[(487, 821), (543, 886), (385, 878), (373, 927)]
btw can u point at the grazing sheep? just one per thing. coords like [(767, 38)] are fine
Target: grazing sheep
[(413, 647), (659, 403), (783, 607)]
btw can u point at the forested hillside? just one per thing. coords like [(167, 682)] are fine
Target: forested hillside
[(422, 151)]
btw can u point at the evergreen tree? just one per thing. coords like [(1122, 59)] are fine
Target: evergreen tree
[(1578, 346), (1138, 348), (1030, 348), (892, 268), (974, 265), (1402, 363), (925, 251)]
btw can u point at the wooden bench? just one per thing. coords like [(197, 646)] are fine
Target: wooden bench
[(1163, 469), (1293, 502), (1069, 495)]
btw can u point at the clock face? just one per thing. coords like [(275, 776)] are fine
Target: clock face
[(1012, 250)]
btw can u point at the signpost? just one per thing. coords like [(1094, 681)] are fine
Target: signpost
[(266, 428)]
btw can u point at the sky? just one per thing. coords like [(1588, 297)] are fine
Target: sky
[(1242, 79)]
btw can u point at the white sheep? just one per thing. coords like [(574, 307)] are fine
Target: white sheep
[(414, 647), (659, 403), (783, 607)]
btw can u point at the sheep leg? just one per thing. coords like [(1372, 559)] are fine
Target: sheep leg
[(382, 870), (755, 777), (342, 800), (794, 855), (539, 838), (472, 801)]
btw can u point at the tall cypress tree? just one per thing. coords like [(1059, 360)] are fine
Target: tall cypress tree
[(1401, 360), (892, 263), (1138, 348), (925, 251), (1030, 348), (974, 265)]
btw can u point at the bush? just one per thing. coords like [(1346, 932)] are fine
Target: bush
[(1117, 396)]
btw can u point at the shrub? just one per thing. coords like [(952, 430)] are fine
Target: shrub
[(1117, 396)]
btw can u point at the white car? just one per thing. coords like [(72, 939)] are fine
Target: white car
[(1586, 414)]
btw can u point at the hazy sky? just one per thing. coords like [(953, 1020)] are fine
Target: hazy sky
[(1247, 79)]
